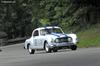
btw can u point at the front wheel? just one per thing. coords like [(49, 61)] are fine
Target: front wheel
[(55, 50), (47, 49), (73, 47), (31, 51)]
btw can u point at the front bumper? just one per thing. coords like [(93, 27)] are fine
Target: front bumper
[(57, 45)]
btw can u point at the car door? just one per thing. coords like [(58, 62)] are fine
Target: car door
[(37, 40)]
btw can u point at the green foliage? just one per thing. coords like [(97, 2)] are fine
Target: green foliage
[(35, 23), (16, 17), (20, 18), (90, 37), (44, 22)]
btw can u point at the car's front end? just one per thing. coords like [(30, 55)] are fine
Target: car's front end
[(61, 40)]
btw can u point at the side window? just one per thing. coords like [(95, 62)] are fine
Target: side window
[(36, 33)]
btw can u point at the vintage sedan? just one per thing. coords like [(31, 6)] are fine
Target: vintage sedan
[(50, 38)]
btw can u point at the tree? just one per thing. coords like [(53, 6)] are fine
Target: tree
[(17, 17), (21, 17)]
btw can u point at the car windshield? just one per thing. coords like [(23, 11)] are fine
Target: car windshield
[(50, 30)]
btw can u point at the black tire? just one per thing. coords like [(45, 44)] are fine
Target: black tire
[(47, 49), (24, 47), (73, 47), (31, 51), (0, 50), (55, 50)]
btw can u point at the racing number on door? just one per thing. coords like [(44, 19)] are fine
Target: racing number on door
[(35, 42)]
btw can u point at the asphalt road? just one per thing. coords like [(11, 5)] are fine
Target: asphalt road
[(15, 55)]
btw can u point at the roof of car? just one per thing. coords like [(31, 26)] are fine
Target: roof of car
[(47, 27)]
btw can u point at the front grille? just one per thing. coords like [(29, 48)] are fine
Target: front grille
[(64, 39)]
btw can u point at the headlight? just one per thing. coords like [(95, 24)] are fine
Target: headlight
[(69, 39), (57, 40)]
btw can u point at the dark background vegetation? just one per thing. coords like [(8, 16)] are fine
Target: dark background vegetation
[(19, 18)]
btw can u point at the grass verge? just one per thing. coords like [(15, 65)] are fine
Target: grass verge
[(90, 37)]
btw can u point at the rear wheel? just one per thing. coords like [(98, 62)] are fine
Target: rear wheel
[(24, 47), (73, 47), (31, 51), (47, 49)]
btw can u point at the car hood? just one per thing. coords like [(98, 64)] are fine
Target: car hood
[(56, 35)]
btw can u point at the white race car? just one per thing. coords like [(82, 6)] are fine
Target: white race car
[(50, 38)]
